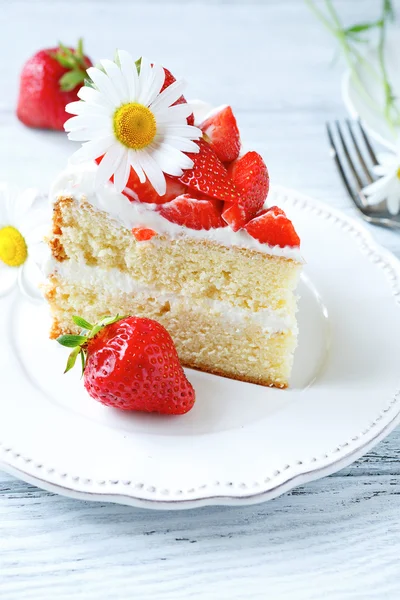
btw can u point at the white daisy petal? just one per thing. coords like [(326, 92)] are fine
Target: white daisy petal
[(135, 164), (182, 160), (8, 278), (92, 149), (186, 131), (115, 75), (3, 204), (180, 143), (30, 278), (393, 203), (178, 114), (376, 186), (168, 96), (121, 174), (382, 170), (104, 85), (84, 121), (93, 97), (167, 161), (386, 158), (109, 164), (89, 133), (22, 204), (129, 71), (153, 172), (83, 108), (154, 85), (144, 74)]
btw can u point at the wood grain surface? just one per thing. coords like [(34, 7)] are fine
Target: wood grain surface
[(337, 538)]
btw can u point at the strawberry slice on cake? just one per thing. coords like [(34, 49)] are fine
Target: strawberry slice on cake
[(172, 225)]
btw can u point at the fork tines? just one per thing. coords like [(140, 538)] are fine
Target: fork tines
[(354, 157)]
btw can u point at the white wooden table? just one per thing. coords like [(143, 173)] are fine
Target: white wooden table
[(338, 538)]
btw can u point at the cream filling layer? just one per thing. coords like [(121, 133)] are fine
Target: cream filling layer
[(113, 279), (78, 182)]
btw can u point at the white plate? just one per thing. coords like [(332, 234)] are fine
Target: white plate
[(241, 443), (356, 102)]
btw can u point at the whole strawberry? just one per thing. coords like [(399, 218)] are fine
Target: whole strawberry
[(49, 81), (130, 363)]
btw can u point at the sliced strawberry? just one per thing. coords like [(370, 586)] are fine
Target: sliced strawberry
[(141, 234), (195, 213), (169, 78), (208, 175), (250, 176), (222, 133), (144, 192), (273, 227)]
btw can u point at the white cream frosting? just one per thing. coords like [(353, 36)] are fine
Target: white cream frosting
[(78, 182), (271, 321)]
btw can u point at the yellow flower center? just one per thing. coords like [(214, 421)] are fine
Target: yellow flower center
[(134, 125), (398, 172), (13, 250)]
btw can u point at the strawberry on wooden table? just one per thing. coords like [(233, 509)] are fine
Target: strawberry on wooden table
[(130, 363), (49, 81), (273, 227), (195, 213), (250, 176), (222, 133), (208, 175)]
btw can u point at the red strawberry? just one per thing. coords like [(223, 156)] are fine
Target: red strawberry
[(195, 213), (142, 234), (250, 176), (49, 81), (222, 133), (144, 192), (273, 227), (169, 78), (208, 175), (130, 363)]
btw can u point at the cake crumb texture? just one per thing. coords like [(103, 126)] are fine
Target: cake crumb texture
[(192, 272)]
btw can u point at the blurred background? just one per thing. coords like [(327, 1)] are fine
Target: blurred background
[(270, 59)]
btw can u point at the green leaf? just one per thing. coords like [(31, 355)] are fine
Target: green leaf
[(71, 341), (138, 63), (81, 322), (104, 321), (83, 360), (388, 10), (79, 49), (363, 27), (70, 80), (72, 359)]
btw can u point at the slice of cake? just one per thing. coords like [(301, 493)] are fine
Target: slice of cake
[(180, 234)]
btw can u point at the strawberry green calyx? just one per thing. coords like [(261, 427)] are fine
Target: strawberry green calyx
[(76, 63), (79, 342)]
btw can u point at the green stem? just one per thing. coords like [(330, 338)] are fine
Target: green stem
[(319, 14), (390, 107), (353, 58)]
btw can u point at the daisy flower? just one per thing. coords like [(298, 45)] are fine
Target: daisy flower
[(127, 118), (388, 186), (23, 223)]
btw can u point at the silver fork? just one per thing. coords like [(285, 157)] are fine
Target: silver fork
[(353, 153)]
